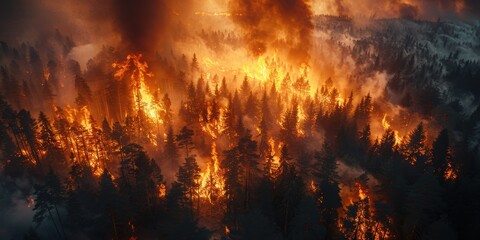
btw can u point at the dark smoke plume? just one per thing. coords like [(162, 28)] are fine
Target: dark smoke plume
[(279, 24), (142, 23)]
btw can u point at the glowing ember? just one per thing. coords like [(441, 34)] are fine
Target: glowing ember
[(30, 201), (162, 191), (451, 172), (313, 187)]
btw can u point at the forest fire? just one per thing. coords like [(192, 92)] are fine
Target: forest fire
[(211, 180), (386, 126), (136, 70), (241, 120)]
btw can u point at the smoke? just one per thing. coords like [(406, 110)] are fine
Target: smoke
[(139, 23), (15, 213), (273, 25), (140, 26), (411, 9)]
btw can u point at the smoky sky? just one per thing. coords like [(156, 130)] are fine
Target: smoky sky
[(17, 18), (418, 9), (285, 24), (141, 25), (145, 25)]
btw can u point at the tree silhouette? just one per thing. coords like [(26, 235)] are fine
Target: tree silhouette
[(289, 190), (328, 193), (188, 178), (184, 139), (170, 152), (441, 154), (49, 196), (305, 224), (415, 147), (248, 157), (54, 155)]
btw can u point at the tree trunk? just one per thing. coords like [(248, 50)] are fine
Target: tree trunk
[(60, 221), (54, 224), (114, 227)]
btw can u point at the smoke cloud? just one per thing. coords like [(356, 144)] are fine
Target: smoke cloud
[(149, 25), (412, 9), (144, 25), (275, 25)]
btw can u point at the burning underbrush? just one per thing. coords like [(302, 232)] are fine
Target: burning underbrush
[(292, 126)]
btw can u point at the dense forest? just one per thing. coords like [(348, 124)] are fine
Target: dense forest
[(376, 138)]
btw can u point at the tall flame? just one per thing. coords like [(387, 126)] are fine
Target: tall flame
[(211, 180), (136, 70), (386, 125)]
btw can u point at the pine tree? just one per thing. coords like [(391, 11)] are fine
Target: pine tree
[(167, 104), (245, 89), (191, 113), (290, 123), (14, 164), (415, 148), (265, 110), (255, 225), (424, 204), (363, 110), (304, 224), (387, 145), (441, 154), (328, 193), (194, 66), (229, 120), (224, 89), (54, 155), (364, 139), (289, 190), (11, 87), (29, 128), (170, 151), (264, 148), (81, 189), (188, 177), (184, 139), (251, 106), (10, 119), (84, 94), (106, 129), (108, 199), (233, 188), (248, 157), (49, 197), (139, 181), (119, 135), (214, 115)]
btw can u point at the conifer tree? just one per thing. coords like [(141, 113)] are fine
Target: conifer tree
[(49, 196), (248, 157), (170, 151), (415, 148), (184, 140), (233, 188), (328, 193), (188, 177), (54, 156), (441, 154)]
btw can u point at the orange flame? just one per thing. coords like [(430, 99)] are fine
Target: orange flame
[(142, 97), (211, 180), (386, 125)]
